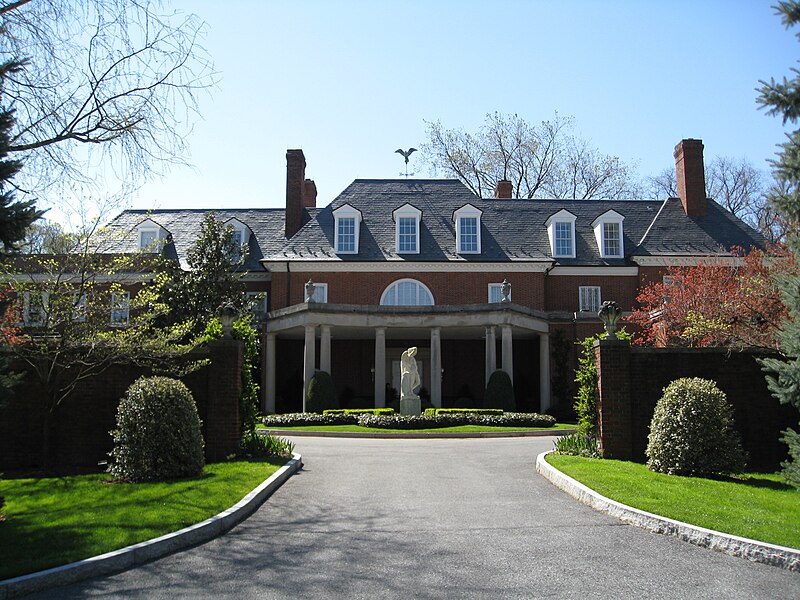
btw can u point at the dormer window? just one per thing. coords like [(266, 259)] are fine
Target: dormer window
[(407, 219), (467, 220), (609, 234), (240, 239), (561, 232), (151, 236), (347, 221)]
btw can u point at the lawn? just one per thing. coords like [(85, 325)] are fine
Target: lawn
[(459, 429), (55, 521), (754, 505)]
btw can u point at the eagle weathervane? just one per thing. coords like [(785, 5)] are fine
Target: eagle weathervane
[(406, 154)]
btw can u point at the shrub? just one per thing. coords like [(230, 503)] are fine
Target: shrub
[(474, 411), (456, 420), (158, 432), (321, 393), (576, 444), (263, 446), (692, 431), (299, 419), (500, 392), (359, 411)]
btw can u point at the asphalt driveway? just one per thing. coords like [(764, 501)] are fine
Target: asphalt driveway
[(435, 519)]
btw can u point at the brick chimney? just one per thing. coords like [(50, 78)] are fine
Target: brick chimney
[(295, 191), (310, 191), (504, 189), (691, 178)]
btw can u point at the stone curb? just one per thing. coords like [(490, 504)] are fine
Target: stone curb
[(417, 436), (770, 554), (125, 558)]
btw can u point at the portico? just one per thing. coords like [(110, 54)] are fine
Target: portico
[(372, 337)]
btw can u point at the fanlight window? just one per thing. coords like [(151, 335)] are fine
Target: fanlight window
[(407, 292)]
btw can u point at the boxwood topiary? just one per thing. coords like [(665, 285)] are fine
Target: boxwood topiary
[(158, 432), (500, 392), (692, 431), (321, 394)]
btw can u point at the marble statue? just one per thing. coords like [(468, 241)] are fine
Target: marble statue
[(409, 375)]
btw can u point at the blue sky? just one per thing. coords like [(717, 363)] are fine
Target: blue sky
[(351, 81)]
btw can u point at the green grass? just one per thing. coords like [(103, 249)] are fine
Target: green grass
[(459, 429), (754, 505), (55, 521)]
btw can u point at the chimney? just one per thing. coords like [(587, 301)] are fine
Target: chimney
[(310, 191), (504, 189), (691, 178), (295, 191)]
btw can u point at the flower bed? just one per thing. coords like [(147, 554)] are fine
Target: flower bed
[(457, 420)]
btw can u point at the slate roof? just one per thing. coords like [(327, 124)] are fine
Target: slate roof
[(511, 230), (183, 226)]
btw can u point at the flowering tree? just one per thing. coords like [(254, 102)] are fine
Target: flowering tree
[(729, 302)]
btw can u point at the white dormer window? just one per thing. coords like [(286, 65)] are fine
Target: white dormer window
[(407, 219), (240, 239), (468, 229), (561, 232), (347, 221), (608, 233), (151, 236)]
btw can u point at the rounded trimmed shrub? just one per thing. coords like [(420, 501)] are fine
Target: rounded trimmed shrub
[(692, 431), (321, 394), (158, 434), (500, 392)]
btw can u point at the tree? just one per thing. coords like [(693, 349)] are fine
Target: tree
[(47, 237), (783, 98), (735, 184), (85, 312), (107, 81), (728, 301), (212, 279), (544, 161)]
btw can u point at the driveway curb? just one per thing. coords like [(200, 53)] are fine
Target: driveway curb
[(770, 554), (125, 558), (410, 435)]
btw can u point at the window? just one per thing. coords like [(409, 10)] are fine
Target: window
[(407, 292), (561, 233), (608, 232), (346, 228), (148, 240), (240, 237), (35, 308), (495, 293), (589, 298), (468, 229), (120, 308), (257, 301), (79, 308), (320, 293), (407, 220)]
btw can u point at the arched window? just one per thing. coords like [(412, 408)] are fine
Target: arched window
[(407, 292)]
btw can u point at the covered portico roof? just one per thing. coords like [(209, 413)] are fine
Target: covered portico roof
[(356, 321)]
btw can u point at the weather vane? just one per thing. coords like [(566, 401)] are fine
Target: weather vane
[(406, 154)]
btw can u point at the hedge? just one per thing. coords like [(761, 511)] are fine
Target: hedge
[(359, 411), (474, 411), (457, 420)]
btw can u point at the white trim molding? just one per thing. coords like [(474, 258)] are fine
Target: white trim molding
[(402, 266), (594, 271), (686, 260)]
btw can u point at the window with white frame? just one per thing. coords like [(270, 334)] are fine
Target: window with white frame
[(320, 293), (34, 312), (257, 302), (496, 293), (561, 233), (589, 298), (79, 307), (151, 236), (120, 308), (346, 229), (407, 221), (609, 234), (407, 292), (240, 237), (467, 220)]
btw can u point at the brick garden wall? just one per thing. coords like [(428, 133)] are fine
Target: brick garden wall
[(630, 387)]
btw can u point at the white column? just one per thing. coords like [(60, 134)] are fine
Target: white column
[(380, 367), (309, 359), (491, 353), (436, 367), (508, 351), (269, 375), (544, 372), (325, 348)]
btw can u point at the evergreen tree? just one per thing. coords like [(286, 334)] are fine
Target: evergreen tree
[(782, 98)]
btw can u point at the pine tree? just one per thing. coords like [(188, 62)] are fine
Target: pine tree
[(782, 98)]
